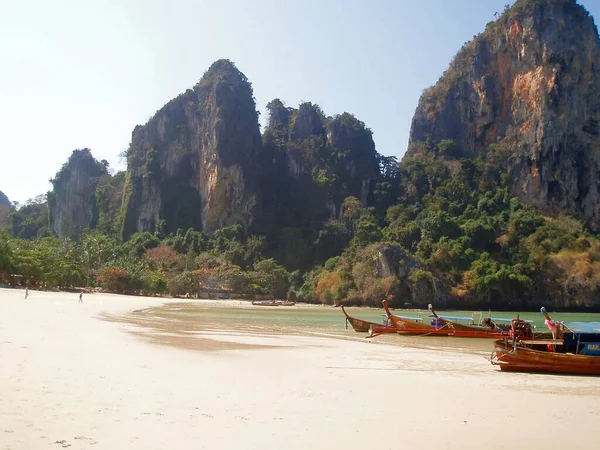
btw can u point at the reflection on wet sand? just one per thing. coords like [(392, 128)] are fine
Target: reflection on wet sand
[(215, 327), (183, 334)]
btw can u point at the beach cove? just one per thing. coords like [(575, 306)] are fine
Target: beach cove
[(126, 372)]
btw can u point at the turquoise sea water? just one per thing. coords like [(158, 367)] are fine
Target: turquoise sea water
[(328, 318), (330, 321)]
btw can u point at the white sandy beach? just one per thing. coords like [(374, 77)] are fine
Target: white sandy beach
[(70, 379)]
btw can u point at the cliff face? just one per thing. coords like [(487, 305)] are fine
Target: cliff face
[(528, 87), (5, 209), (332, 157), (310, 164), (194, 163), (72, 201), (4, 199)]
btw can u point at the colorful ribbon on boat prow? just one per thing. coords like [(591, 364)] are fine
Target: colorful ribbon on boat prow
[(553, 326)]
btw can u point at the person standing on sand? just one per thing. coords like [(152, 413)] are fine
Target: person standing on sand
[(26, 293), (80, 297)]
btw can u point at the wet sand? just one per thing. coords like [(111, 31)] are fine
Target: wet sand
[(93, 376)]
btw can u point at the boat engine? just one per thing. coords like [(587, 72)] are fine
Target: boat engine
[(519, 329)]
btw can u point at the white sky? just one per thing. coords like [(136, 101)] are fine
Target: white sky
[(77, 74)]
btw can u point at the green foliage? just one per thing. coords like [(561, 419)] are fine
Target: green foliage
[(331, 263), (31, 220), (109, 193), (6, 256), (436, 224), (406, 235), (271, 275), (140, 242), (447, 147), (367, 230), (481, 233)]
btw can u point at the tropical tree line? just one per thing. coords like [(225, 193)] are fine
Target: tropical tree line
[(186, 263)]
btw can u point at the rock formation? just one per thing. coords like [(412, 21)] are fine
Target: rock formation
[(194, 163), (331, 157), (5, 209), (311, 163), (72, 201), (529, 88), (4, 199)]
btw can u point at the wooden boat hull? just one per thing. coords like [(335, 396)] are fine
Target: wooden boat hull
[(359, 325), (409, 327), (272, 303), (402, 326), (436, 332), (474, 328), (444, 331), (405, 323), (525, 359)]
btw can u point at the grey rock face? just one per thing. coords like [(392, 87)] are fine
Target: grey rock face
[(194, 163), (4, 199), (529, 86), (72, 202), (393, 260)]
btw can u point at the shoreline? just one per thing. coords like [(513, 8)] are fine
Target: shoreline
[(243, 302), (68, 378)]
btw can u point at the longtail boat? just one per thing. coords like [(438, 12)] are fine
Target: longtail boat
[(574, 350), (273, 303), (481, 325), (395, 324), (359, 325), (440, 326)]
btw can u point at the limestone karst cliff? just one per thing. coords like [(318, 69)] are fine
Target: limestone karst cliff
[(5, 208), (200, 163), (194, 163), (336, 156), (84, 197), (72, 201), (4, 199), (528, 89), (311, 163)]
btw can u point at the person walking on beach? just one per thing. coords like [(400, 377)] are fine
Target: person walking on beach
[(80, 297), (26, 293)]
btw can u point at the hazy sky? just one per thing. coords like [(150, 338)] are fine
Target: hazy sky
[(77, 74)]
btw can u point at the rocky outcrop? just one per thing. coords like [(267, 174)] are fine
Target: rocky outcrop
[(416, 287), (194, 164), (528, 87), (4, 199), (309, 164), (332, 157), (5, 209), (72, 201), (307, 121)]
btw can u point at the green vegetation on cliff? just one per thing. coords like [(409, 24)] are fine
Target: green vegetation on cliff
[(5, 210), (314, 162), (193, 164)]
